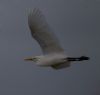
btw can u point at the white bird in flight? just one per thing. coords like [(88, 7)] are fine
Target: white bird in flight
[(53, 54)]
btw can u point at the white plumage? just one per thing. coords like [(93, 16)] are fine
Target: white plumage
[(54, 55)]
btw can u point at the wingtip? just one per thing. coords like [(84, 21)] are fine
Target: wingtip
[(36, 19), (34, 11)]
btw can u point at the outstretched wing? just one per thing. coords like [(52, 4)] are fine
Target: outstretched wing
[(61, 66), (42, 32)]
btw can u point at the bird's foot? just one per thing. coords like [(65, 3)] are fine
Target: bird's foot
[(82, 58)]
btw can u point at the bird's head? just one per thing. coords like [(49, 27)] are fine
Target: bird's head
[(35, 58)]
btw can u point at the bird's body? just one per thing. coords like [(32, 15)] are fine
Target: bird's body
[(56, 60), (51, 59), (54, 54)]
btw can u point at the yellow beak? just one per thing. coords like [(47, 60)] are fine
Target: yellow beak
[(29, 59)]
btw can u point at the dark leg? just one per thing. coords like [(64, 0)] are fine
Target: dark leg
[(78, 58)]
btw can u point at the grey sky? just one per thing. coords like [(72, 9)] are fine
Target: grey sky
[(77, 25)]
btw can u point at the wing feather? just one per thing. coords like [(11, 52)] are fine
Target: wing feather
[(60, 66), (42, 32)]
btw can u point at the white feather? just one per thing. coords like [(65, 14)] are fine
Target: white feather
[(42, 33)]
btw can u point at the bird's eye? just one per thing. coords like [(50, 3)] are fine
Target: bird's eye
[(36, 59)]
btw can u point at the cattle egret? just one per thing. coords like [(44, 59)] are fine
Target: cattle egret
[(53, 54)]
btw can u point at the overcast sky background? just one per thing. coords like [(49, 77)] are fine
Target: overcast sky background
[(77, 25)]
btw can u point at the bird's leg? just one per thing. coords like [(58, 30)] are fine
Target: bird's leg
[(78, 58)]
